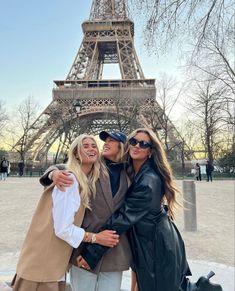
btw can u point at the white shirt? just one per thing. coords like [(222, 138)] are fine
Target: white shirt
[(65, 205)]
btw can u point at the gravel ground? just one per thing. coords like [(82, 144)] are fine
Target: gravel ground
[(213, 241)]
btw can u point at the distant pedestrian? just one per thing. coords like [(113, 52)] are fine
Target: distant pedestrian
[(197, 169), (209, 170), (4, 169), (21, 166)]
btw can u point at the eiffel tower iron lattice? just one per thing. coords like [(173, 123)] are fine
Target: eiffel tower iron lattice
[(85, 102)]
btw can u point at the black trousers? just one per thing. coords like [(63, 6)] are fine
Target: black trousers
[(209, 177)]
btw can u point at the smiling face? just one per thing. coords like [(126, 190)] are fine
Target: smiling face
[(89, 151), (136, 151), (111, 149)]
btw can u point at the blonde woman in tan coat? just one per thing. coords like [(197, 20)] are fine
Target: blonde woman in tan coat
[(55, 226)]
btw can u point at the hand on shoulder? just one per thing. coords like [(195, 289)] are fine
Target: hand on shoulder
[(62, 179)]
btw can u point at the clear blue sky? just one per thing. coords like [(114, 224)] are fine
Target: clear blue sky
[(39, 41)]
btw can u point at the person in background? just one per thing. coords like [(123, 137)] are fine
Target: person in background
[(197, 169), (21, 166), (209, 170), (55, 226), (4, 169), (110, 193)]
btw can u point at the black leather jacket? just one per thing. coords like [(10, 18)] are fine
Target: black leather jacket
[(157, 247)]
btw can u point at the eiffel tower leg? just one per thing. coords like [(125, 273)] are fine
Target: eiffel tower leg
[(128, 61)]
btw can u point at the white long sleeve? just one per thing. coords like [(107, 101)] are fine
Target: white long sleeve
[(65, 205)]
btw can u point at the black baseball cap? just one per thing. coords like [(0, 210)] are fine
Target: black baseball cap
[(117, 135)]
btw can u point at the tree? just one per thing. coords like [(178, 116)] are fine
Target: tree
[(3, 153), (167, 20), (70, 127), (206, 28), (189, 131), (215, 62), (22, 128), (3, 118), (228, 160), (208, 106), (216, 59), (167, 96)]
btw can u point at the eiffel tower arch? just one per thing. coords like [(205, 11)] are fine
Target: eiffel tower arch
[(84, 101)]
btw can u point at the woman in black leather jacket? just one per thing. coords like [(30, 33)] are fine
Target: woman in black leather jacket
[(159, 258)]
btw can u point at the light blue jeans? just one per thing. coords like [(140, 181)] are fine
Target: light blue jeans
[(82, 280), (4, 176)]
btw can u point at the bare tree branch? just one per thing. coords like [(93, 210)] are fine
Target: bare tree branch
[(206, 100), (3, 118)]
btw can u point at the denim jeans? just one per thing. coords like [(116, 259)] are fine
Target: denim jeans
[(82, 280), (4, 176)]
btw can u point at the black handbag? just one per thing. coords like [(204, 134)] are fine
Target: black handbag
[(203, 284)]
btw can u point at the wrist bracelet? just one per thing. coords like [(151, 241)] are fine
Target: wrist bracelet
[(93, 238), (86, 238), (50, 175)]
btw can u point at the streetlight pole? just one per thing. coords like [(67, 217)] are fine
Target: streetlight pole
[(77, 106)]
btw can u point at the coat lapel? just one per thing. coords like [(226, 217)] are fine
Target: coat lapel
[(119, 197), (106, 192)]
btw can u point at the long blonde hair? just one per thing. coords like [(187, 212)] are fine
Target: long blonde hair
[(162, 165), (87, 184)]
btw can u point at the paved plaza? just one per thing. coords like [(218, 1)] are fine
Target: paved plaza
[(211, 247)]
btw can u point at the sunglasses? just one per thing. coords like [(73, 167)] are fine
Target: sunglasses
[(142, 144)]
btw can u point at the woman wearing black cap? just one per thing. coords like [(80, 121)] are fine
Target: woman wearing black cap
[(110, 193)]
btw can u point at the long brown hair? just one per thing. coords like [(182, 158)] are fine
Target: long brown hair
[(158, 156)]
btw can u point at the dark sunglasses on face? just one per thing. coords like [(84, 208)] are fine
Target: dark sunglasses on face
[(142, 144)]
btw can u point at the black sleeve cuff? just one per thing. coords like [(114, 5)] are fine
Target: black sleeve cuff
[(44, 180), (47, 181), (92, 254)]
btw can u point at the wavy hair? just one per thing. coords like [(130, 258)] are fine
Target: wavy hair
[(87, 184), (121, 152), (160, 162)]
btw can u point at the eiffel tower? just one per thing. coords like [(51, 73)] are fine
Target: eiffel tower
[(84, 101)]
